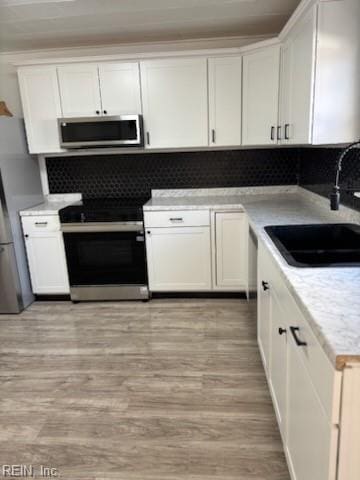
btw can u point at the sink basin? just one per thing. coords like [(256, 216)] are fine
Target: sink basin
[(323, 245)]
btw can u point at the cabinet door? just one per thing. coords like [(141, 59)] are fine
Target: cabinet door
[(46, 256), (120, 88), (261, 96), (231, 265), (278, 362), (337, 92), (285, 91), (263, 310), (299, 59), (179, 258), (311, 439), (79, 90), (41, 105), (225, 101), (175, 102)]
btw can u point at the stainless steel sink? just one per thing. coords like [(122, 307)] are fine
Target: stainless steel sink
[(318, 245)]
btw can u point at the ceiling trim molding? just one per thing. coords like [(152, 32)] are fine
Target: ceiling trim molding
[(262, 44), (142, 51), (129, 56), (137, 47), (303, 6)]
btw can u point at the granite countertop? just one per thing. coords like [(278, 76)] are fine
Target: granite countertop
[(212, 198), (328, 297), (193, 203), (51, 205)]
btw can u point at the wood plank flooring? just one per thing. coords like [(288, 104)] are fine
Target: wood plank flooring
[(166, 390)]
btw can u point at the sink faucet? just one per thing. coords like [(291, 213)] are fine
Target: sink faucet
[(335, 194)]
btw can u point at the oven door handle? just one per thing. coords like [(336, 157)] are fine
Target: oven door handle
[(102, 227)]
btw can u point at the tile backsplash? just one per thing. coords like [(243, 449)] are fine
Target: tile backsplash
[(317, 168), (126, 175), (137, 174)]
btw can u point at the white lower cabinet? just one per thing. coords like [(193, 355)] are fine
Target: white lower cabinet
[(230, 250), (46, 255), (278, 364), (263, 311), (197, 250), (179, 258), (311, 439), (304, 385)]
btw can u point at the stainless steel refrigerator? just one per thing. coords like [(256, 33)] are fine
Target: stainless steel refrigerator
[(20, 188)]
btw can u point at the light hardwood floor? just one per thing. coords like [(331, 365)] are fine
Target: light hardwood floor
[(168, 390)]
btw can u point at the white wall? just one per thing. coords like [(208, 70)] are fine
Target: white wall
[(8, 80)]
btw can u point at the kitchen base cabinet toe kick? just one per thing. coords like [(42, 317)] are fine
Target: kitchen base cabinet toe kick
[(313, 402), (197, 250)]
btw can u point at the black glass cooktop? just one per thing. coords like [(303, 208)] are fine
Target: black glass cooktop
[(104, 210)]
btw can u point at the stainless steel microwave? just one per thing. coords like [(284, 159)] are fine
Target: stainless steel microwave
[(85, 132)]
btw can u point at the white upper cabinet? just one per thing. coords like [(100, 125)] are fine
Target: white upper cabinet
[(304, 92), (79, 90), (120, 88), (175, 102), (41, 105), (319, 91), (225, 100), (297, 81), (261, 96), (337, 86), (106, 89)]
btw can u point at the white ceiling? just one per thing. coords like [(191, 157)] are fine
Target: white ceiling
[(38, 24)]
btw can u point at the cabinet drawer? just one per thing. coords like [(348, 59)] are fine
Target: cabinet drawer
[(177, 218), (46, 223)]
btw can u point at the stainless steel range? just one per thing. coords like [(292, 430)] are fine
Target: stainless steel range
[(105, 249)]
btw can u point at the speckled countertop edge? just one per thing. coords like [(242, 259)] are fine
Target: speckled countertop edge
[(51, 205)]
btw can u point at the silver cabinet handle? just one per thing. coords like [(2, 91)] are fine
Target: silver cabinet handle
[(148, 138), (213, 135), (41, 224), (279, 132), (179, 219)]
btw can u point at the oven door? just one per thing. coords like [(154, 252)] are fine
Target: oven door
[(105, 258)]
